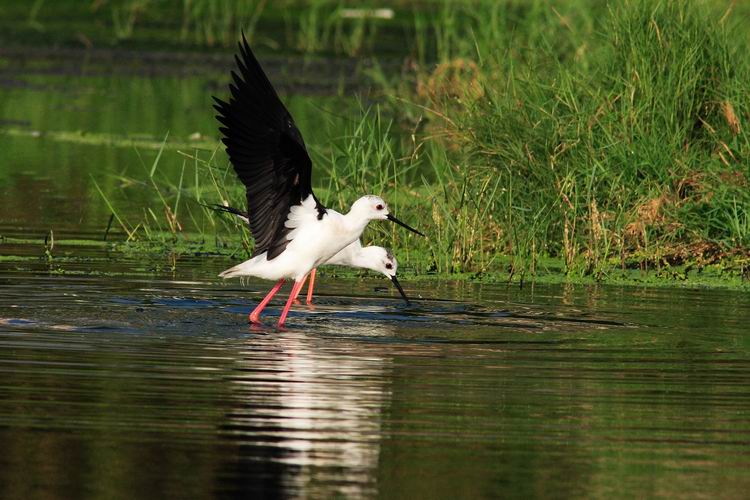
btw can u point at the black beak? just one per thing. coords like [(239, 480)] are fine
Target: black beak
[(400, 290), (393, 219)]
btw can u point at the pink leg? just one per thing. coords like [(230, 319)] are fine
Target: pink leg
[(301, 286), (295, 291), (310, 287), (254, 316)]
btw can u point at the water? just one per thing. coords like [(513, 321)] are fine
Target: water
[(150, 385), (123, 379)]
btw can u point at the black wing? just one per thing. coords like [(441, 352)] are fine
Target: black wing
[(267, 152)]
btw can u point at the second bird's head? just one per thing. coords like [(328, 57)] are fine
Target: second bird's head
[(375, 208), (381, 260)]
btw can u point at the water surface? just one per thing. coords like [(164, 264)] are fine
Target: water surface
[(143, 384)]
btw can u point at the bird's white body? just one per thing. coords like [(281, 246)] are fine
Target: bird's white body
[(314, 242), (293, 232), (352, 255), (374, 258), (370, 257)]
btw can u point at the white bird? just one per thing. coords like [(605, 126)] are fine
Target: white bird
[(293, 232), (371, 257)]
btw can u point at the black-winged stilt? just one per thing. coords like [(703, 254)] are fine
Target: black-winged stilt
[(293, 232), (371, 257)]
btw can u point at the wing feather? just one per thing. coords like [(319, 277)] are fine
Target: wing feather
[(267, 152)]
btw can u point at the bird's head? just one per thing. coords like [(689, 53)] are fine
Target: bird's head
[(381, 260), (373, 207)]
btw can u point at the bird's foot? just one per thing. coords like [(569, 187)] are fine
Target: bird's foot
[(257, 328), (254, 319)]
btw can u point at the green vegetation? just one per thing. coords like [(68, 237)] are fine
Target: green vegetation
[(609, 144), (111, 140), (343, 27), (525, 138)]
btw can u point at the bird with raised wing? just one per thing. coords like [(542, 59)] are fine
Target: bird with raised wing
[(371, 257), (293, 232)]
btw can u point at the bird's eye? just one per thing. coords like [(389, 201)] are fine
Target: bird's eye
[(389, 266), (379, 207)]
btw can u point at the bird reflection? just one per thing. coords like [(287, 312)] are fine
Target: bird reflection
[(307, 413)]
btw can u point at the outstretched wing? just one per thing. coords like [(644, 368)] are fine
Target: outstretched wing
[(267, 152)]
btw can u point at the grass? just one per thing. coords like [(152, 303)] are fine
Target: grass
[(340, 27), (219, 22), (613, 145), (559, 137)]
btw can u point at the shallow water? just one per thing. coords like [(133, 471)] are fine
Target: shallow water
[(121, 380), (147, 385)]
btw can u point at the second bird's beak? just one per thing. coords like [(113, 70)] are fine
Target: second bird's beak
[(401, 290), (393, 219)]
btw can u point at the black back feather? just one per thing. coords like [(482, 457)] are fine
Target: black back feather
[(267, 152)]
